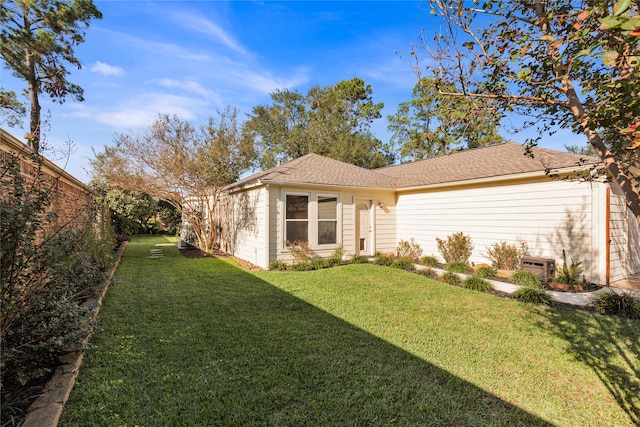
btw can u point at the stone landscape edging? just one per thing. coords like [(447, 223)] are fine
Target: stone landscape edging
[(46, 410), (579, 299)]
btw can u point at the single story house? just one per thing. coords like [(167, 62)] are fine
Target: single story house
[(491, 194)]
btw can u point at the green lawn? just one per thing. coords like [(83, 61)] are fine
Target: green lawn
[(202, 342)]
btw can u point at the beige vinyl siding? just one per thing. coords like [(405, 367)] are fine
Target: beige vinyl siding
[(624, 234), (384, 221), (618, 238), (633, 254), (549, 216), (247, 226)]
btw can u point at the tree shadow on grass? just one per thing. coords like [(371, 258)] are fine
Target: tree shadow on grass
[(232, 349), (595, 341)]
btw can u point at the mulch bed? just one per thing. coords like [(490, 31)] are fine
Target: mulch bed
[(197, 253)]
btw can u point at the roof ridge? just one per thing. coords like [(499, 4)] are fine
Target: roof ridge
[(452, 153)]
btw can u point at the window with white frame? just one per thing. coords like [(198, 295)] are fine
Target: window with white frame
[(297, 218), (327, 220)]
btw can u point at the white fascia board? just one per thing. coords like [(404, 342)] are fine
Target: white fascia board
[(500, 178)]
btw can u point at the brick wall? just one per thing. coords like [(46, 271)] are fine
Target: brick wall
[(71, 199)]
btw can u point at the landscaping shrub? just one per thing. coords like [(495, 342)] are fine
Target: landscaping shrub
[(359, 259), (477, 283), (383, 260), (526, 278), (47, 274), (278, 265), (486, 271), (623, 304), (429, 261), (336, 257), (532, 294), (302, 266), (300, 251), (404, 264), (451, 278), (320, 263), (409, 249), (505, 256), (458, 267), (456, 248), (428, 272), (569, 273)]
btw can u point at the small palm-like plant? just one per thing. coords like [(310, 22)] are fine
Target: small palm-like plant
[(569, 273)]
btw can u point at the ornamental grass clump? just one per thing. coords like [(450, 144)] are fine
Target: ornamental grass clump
[(429, 261), (456, 248), (531, 294), (458, 267), (486, 271), (623, 304), (404, 264), (526, 278), (477, 283), (359, 259), (429, 273), (506, 256), (277, 265), (531, 289), (381, 259), (451, 278)]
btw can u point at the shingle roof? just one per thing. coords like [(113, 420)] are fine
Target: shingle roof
[(316, 169), (486, 162)]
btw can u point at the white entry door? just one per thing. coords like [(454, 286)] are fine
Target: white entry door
[(364, 229)]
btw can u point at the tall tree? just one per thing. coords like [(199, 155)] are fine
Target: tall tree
[(561, 63), (334, 121), (432, 124), (182, 165), (37, 37)]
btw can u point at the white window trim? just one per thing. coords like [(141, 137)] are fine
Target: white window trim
[(312, 219), (285, 220), (338, 220)]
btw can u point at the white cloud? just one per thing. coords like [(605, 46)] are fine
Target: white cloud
[(141, 111), (190, 86), (106, 69), (209, 28), (266, 83)]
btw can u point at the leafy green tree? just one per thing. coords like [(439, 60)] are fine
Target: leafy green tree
[(561, 64), (333, 121), (432, 124), (37, 37), (11, 109), (181, 165)]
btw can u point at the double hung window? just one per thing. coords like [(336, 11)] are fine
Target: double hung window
[(311, 218), (297, 218), (327, 220)]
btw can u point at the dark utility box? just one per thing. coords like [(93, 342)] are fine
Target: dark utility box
[(543, 267)]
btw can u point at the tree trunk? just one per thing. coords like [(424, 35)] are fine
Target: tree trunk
[(34, 114), (612, 165)]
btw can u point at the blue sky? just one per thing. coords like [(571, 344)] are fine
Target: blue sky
[(192, 58)]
